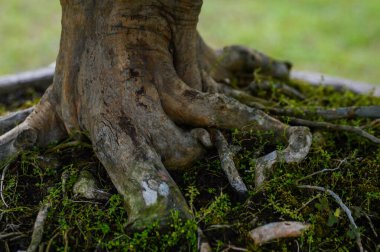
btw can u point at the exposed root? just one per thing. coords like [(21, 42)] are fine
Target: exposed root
[(140, 177), (372, 112), (40, 78), (330, 126), (300, 140), (203, 245), (344, 208), (41, 127), (277, 230), (38, 228), (11, 120), (240, 63), (228, 165), (336, 82), (2, 185), (20, 137)]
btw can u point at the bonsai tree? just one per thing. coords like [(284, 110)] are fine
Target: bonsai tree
[(152, 97)]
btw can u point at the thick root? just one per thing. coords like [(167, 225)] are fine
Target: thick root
[(240, 63), (41, 127), (11, 120), (216, 110), (138, 174), (20, 137), (228, 165)]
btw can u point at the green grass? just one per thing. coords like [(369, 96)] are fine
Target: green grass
[(339, 37), (335, 37)]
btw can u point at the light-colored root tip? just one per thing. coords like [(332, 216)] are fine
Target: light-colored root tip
[(203, 245), (277, 230), (38, 229), (300, 140)]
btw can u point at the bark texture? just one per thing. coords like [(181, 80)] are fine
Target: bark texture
[(137, 76)]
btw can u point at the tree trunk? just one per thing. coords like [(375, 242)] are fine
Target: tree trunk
[(139, 79)]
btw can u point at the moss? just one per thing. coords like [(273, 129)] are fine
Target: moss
[(84, 225)]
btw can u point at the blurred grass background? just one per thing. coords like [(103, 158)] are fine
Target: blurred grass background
[(340, 37)]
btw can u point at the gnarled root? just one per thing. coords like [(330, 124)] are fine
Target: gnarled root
[(140, 177), (41, 127), (217, 110), (11, 120), (300, 140)]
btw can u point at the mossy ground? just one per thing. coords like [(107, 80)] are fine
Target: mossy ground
[(76, 224)]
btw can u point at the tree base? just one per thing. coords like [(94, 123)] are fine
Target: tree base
[(148, 91)]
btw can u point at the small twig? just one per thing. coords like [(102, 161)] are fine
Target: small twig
[(51, 241), (330, 126), (2, 184), (343, 206), (213, 227), (308, 202), (370, 224), (38, 228), (4, 236), (85, 201), (227, 163), (323, 171)]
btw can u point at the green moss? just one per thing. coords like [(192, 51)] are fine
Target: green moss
[(77, 224)]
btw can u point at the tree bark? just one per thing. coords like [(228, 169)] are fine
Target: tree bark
[(139, 79)]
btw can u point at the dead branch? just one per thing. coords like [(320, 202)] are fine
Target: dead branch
[(227, 163), (11, 120), (372, 112), (277, 230), (344, 208), (317, 79), (330, 126), (40, 78), (38, 229)]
